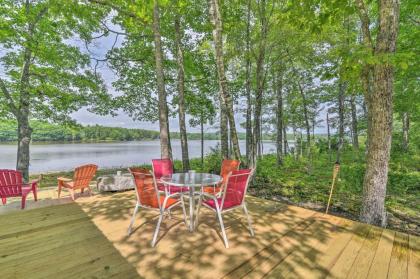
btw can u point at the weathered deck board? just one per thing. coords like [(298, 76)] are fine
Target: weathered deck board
[(88, 239)]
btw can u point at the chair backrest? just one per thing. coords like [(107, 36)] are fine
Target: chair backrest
[(10, 183), (228, 166), (236, 187), (146, 189), (162, 167), (83, 175)]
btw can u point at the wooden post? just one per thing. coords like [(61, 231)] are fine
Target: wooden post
[(336, 170)]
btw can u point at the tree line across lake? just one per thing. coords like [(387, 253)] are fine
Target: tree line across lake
[(44, 131)]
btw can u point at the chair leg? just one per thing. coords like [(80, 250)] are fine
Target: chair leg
[(23, 201), (3, 200), (35, 194), (133, 219), (198, 211), (249, 220), (90, 191), (59, 189), (184, 212), (219, 216), (71, 193), (162, 212)]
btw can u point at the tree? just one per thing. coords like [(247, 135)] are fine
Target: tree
[(45, 75), (378, 83), (216, 20)]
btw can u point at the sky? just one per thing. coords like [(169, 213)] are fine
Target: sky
[(98, 49)]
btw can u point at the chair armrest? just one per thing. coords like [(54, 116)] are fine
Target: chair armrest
[(36, 181), (64, 179)]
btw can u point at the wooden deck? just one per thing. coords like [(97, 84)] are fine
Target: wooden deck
[(87, 239)]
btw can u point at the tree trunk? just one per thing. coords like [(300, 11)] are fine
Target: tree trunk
[(260, 79), (341, 89), (165, 143), (279, 122), (224, 136), (406, 129), (305, 114), (181, 105), (202, 139), (249, 137), (24, 140), (216, 21), (285, 144), (329, 137), (379, 105), (355, 133)]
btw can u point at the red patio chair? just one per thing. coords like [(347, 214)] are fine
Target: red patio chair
[(228, 166), (149, 197), (164, 167), (11, 185), (233, 197)]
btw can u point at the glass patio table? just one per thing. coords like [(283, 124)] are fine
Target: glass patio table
[(192, 180)]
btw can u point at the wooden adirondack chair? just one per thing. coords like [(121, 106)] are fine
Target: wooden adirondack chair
[(83, 175), (11, 185)]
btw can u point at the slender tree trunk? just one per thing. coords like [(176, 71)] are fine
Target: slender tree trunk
[(406, 129), (249, 137), (224, 136), (306, 116), (181, 105), (202, 139), (379, 105), (216, 21), (329, 137), (279, 122), (296, 143), (355, 134), (165, 143), (260, 79), (341, 89), (285, 144)]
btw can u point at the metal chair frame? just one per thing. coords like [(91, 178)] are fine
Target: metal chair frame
[(219, 209), (162, 210)]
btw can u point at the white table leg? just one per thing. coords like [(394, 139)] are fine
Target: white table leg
[(192, 208)]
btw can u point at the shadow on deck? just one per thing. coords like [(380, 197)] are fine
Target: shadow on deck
[(88, 239)]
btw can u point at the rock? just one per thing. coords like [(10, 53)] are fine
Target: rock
[(115, 183)]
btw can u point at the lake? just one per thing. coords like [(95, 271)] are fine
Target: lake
[(65, 156)]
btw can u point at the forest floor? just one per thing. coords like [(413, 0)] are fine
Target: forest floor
[(307, 183)]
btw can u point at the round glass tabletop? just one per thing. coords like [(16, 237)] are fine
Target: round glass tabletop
[(190, 179)]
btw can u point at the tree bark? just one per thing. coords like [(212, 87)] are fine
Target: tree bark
[(279, 122), (249, 137), (181, 105), (224, 136), (406, 129), (285, 144), (305, 114), (329, 137), (379, 105), (341, 90), (202, 139), (355, 133), (216, 21), (165, 142)]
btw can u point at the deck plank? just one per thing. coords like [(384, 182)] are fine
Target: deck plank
[(380, 263), (414, 257), (398, 265)]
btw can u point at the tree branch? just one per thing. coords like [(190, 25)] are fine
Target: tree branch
[(364, 18), (9, 98), (119, 9)]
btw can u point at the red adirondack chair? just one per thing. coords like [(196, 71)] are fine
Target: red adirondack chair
[(11, 185)]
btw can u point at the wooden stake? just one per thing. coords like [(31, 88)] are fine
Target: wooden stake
[(336, 170)]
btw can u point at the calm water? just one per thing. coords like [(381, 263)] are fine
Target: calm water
[(65, 156)]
